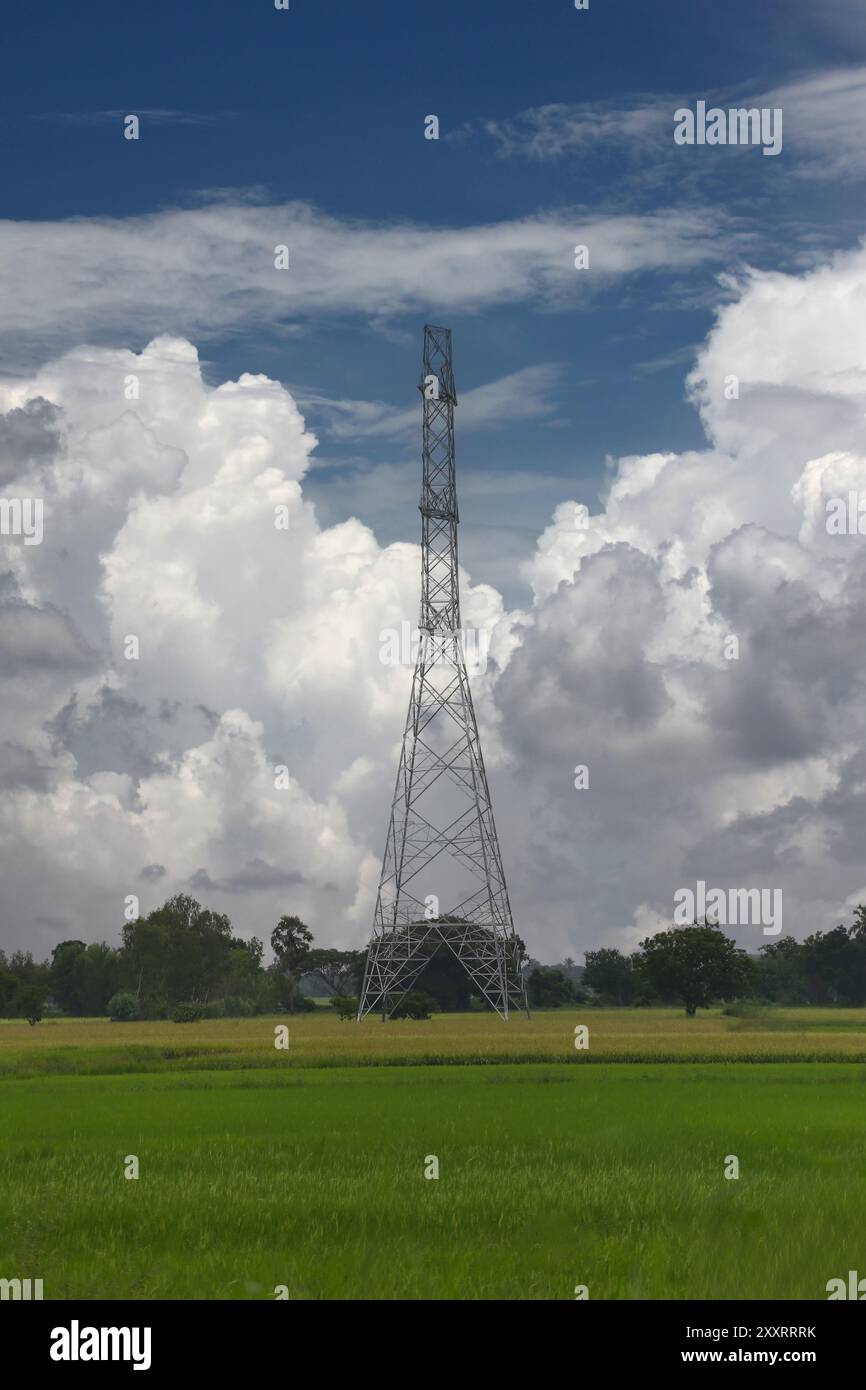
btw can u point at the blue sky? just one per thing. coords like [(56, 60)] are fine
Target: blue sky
[(324, 105)]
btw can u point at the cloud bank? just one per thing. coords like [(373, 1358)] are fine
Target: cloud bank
[(257, 648)]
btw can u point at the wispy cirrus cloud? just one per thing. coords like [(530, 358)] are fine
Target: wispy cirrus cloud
[(824, 117), (210, 269), (558, 129), (156, 115), (524, 395)]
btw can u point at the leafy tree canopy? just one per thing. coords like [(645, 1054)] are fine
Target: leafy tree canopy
[(696, 964)]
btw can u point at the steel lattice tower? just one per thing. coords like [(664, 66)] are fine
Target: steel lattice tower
[(442, 842)]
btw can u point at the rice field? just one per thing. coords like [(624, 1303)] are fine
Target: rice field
[(303, 1170), (96, 1046), (312, 1181)]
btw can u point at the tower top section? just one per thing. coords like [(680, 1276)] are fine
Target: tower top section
[(440, 596), (438, 364)]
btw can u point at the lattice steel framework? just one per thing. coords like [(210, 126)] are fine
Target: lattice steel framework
[(441, 834)]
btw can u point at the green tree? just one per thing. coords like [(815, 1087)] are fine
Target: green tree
[(780, 972), (100, 977), (415, 1005), (446, 981), (178, 952), (858, 930), (123, 1008), (835, 964), (8, 984), (338, 970), (67, 975), (697, 965), (186, 1013), (611, 975), (549, 988), (30, 1002), (144, 960), (27, 971), (243, 976), (290, 943)]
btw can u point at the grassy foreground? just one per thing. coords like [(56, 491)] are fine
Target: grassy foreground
[(550, 1176), (305, 1168), (97, 1047)]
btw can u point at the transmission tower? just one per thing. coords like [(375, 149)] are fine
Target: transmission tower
[(442, 844)]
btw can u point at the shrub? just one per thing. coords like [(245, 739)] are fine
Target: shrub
[(122, 1008), (346, 1006), (151, 1007), (745, 1008), (415, 1004), (186, 1013), (549, 988), (237, 1006)]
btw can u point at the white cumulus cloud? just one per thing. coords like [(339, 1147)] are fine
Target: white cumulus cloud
[(696, 642)]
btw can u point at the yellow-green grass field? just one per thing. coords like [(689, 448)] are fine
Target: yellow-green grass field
[(83, 1046), (260, 1168)]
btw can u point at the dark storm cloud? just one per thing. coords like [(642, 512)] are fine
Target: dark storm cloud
[(20, 768), (112, 735), (753, 847), (201, 882), (585, 660), (257, 875), (761, 718), (800, 655), (29, 435), (61, 926), (152, 873), (844, 810), (34, 640)]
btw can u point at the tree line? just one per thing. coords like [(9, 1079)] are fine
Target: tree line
[(182, 957), (699, 965), (183, 961)]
